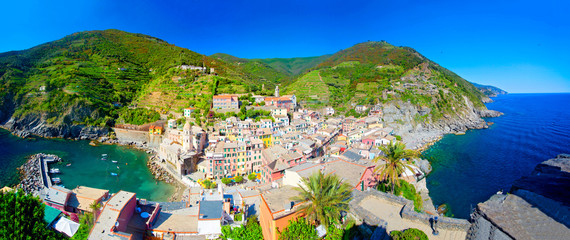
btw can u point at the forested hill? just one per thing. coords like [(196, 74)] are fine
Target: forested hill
[(90, 78), (414, 92), (110, 77)]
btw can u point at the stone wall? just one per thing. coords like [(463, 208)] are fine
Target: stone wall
[(127, 137), (406, 213)]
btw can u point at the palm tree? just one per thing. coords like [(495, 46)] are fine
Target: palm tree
[(95, 205), (397, 159), (324, 197)]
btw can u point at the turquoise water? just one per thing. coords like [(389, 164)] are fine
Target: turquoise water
[(86, 168), (468, 169)]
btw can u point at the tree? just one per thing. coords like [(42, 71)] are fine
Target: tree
[(95, 207), (324, 197), (299, 228), (226, 181), (396, 158), (22, 217), (252, 176), (251, 230), (238, 179)]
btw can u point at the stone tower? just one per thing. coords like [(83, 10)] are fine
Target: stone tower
[(187, 137), (276, 91)]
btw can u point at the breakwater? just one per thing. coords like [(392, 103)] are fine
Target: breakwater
[(35, 173)]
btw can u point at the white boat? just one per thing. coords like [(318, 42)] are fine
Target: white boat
[(114, 161), (104, 155), (54, 170)]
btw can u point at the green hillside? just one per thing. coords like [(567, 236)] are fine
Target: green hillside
[(257, 70), (91, 77), (294, 66), (373, 72)]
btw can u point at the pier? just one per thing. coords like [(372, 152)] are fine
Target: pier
[(35, 173)]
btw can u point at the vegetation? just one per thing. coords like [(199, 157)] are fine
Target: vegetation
[(98, 77), (396, 158), (209, 184), (238, 179), (251, 231), (409, 234), (403, 188), (377, 72), (86, 223), (299, 228), (226, 181), (252, 176), (22, 217), (324, 197), (139, 116)]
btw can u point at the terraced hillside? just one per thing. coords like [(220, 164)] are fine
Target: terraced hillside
[(377, 72)]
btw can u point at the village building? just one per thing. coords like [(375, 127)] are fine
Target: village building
[(182, 157), (225, 102), (188, 111)]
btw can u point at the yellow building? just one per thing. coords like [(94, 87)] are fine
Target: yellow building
[(155, 130)]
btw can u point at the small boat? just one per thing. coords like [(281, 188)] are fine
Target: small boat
[(118, 167), (69, 164), (104, 155), (113, 174), (56, 180), (114, 161), (104, 159), (54, 170)]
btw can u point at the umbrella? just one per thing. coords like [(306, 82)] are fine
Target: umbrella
[(66, 226)]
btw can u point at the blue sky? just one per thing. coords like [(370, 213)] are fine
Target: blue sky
[(520, 46)]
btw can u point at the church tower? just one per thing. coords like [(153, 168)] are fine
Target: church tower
[(187, 137), (276, 91)]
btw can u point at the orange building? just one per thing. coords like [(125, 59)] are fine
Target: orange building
[(276, 209), (155, 130)]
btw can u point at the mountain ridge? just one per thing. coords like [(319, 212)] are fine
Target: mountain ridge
[(96, 79)]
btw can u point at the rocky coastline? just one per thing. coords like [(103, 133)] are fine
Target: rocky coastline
[(419, 135)]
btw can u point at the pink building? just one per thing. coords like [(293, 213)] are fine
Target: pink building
[(225, 102), (233, 158), (113, 220)]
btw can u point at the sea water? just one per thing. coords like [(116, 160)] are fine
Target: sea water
[(87, 168), (468, 169)]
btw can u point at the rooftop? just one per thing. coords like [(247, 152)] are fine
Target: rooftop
[(57, 195), (277, 198), (83, 197), (211, 209), (169, 222)]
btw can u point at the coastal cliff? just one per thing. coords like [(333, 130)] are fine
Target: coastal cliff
[(412, 122)]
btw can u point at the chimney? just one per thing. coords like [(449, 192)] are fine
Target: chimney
[(288, 206)]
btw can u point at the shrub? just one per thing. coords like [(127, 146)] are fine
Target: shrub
[(226, 181), (238, 179), (409, 234), (252, 176)]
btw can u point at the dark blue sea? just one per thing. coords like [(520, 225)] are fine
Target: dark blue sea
[(468, 169)]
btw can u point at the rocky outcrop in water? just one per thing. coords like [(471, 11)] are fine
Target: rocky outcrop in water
[(537, 207)]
